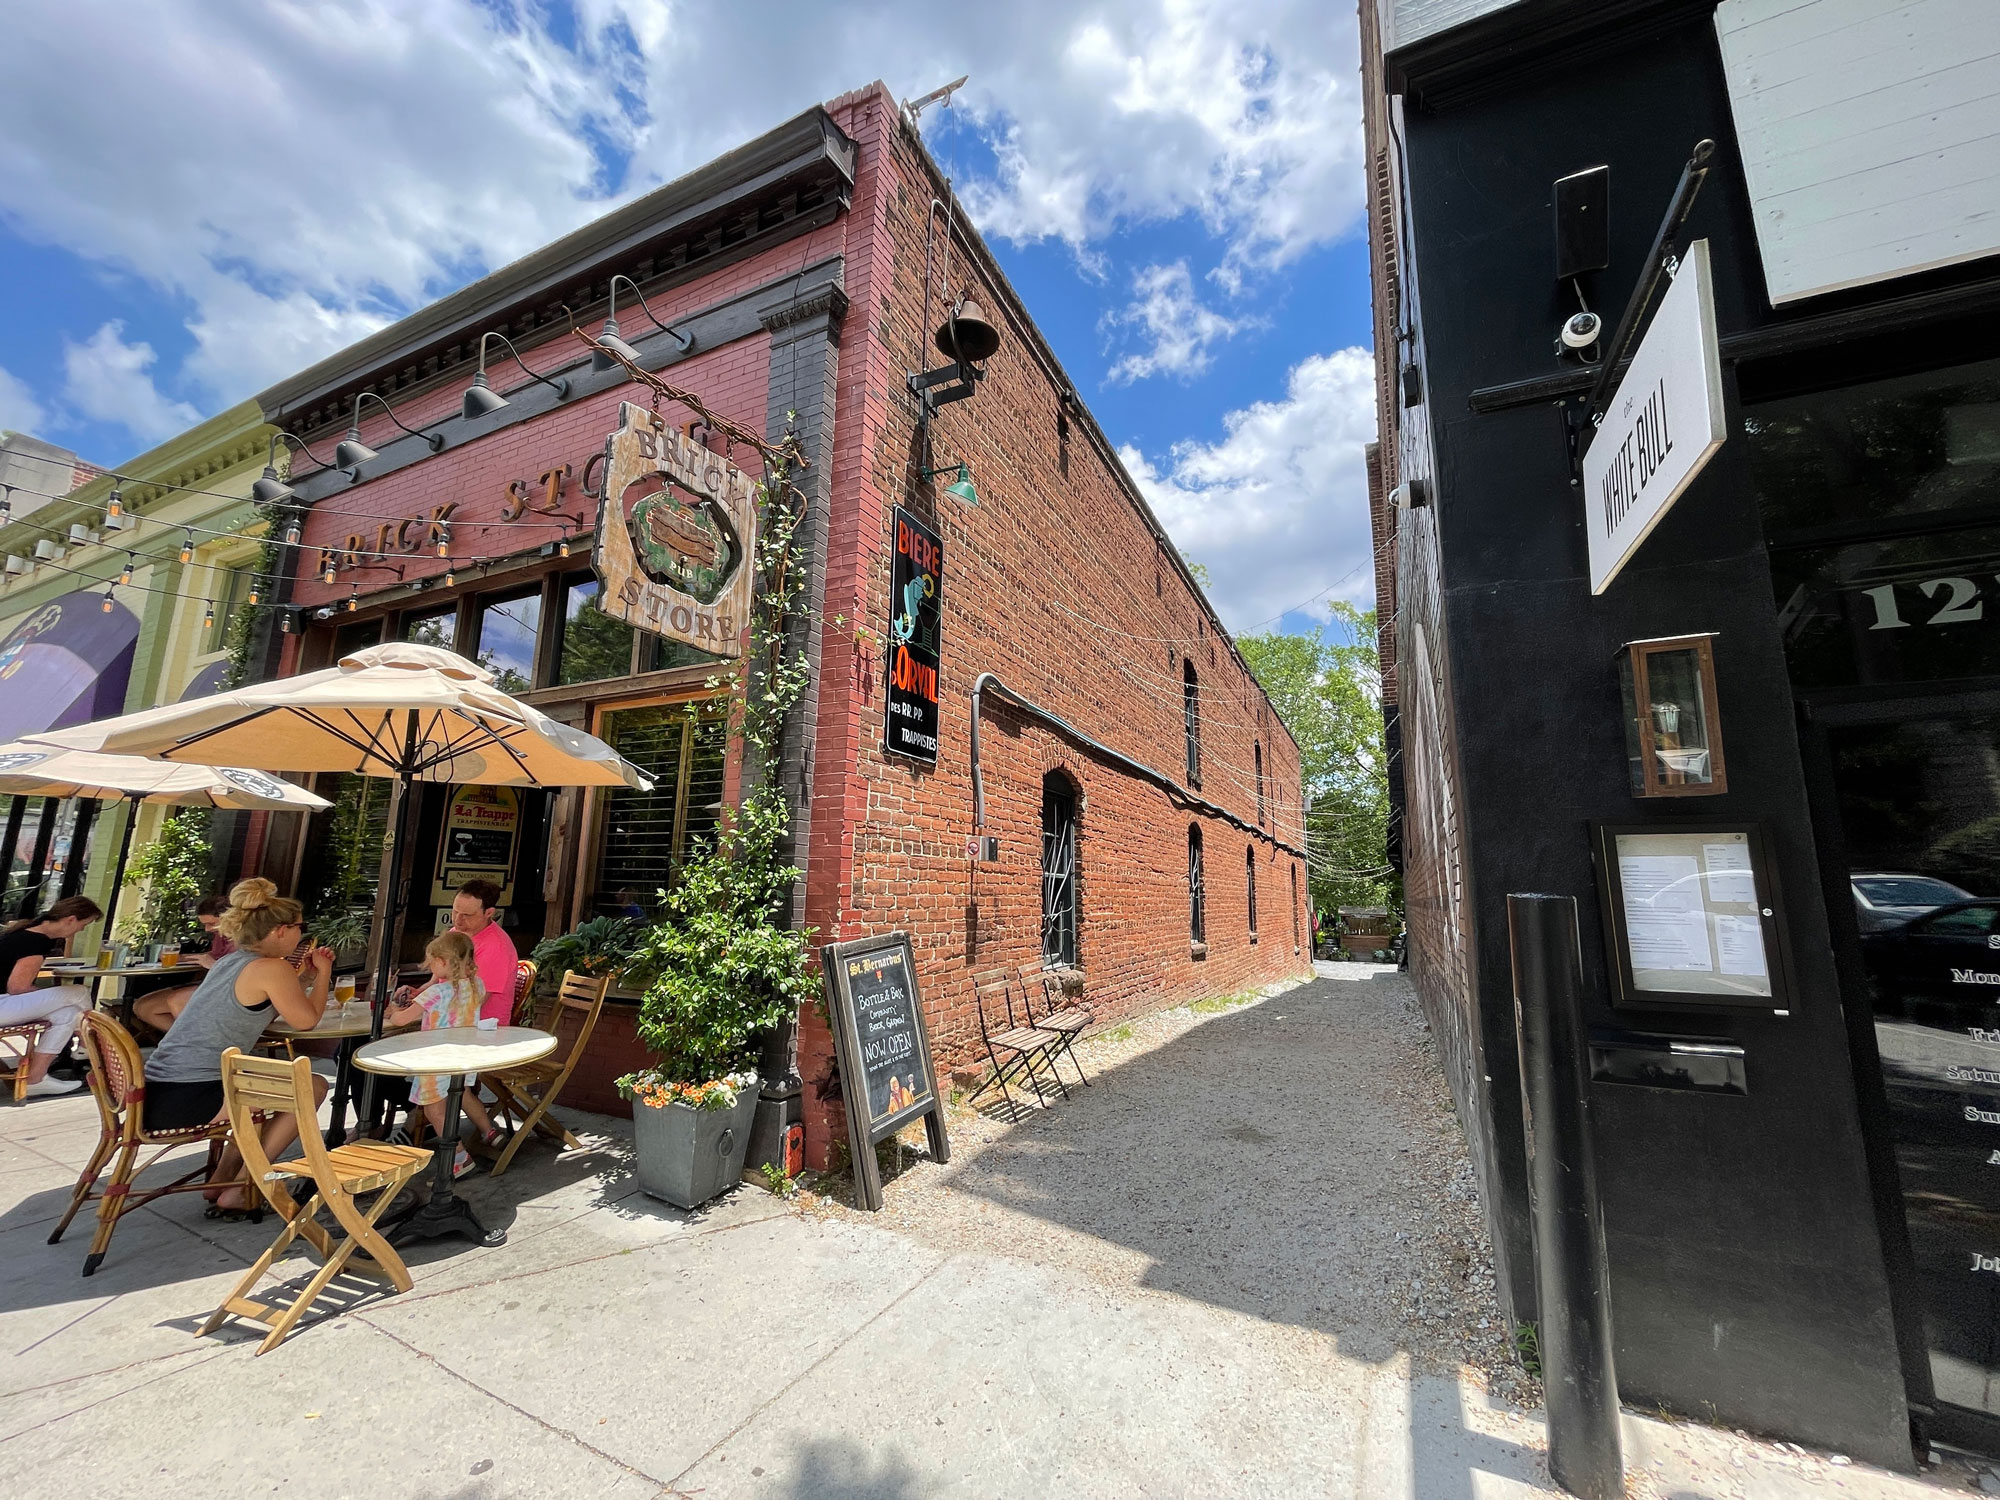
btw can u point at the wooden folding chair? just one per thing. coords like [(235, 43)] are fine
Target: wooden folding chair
[(1059, 1015), (1013, 1047), (118, 1084), (526, 1093), (337, 1177), (23, 1036)]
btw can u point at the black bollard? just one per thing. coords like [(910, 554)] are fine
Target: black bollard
[(1571, 1277)]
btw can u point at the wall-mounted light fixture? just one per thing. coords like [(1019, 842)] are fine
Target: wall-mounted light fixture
[(1673, 730), (961, 487), (352, 453), (967, 339), (481, 398), (270, 489), (600, 360)]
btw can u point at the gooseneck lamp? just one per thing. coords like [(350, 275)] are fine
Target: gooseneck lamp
[(960, 488), (352, 453), (481, 399), (271, 489), (600, 359)]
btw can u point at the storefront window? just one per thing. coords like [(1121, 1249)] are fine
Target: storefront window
[(644, 837), (595, 645), (1879, 502), (507, 631), (232, 588), (356, 637), (349, 852), (657, 653), (437, 627)]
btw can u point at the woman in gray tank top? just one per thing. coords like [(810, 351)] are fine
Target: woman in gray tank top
[(235, 1001)]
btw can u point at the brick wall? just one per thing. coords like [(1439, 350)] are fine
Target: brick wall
[(1056, 584)]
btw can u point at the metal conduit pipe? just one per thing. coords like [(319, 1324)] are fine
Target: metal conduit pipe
[(1173, 788)]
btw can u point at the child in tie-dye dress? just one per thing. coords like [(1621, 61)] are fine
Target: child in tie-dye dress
[(452, 998)]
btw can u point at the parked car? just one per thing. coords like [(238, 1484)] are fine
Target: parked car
[(1886, 898), (1943, 968)]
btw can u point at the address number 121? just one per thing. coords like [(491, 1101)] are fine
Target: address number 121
[(1958, 600)]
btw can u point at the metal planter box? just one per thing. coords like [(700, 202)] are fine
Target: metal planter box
[(688, 1156)]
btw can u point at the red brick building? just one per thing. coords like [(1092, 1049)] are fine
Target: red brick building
[(1120, 734)]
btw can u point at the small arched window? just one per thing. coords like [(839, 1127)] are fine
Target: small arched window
[(1191, 720), (1250, 886), (1197, 896), (1257, 754), (1058, 870)]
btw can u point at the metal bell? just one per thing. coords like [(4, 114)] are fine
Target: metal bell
[(966, 336)]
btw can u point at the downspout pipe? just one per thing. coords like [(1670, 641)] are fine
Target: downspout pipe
[(990, 681)]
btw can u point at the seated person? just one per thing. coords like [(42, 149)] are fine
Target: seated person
[(452, 998), (475, 911), (241, 995), (23, 947), (159, 1009)]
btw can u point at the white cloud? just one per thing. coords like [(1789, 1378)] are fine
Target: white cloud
[(107, 379), (19, 410), (1277, 511), (299, 173), (1178, 327)]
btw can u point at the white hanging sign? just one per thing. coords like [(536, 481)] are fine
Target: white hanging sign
[(1662, 425)]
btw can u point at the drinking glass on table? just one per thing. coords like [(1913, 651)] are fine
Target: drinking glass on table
[(170, 955), (343, 989)]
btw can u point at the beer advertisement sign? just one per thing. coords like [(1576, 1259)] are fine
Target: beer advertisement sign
[(916, 620)]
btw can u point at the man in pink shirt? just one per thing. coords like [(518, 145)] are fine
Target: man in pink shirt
[(475, 912)]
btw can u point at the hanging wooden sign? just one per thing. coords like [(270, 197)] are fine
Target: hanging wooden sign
[(676, 532), (883, 1050)]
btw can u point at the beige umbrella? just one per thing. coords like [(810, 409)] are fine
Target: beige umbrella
[(36, 768), (414, 713)]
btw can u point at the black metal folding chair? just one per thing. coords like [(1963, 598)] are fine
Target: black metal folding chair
[(1012, 1047), (1066, 1019)]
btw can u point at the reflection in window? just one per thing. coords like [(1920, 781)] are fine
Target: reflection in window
[(507, 631), (595, 645), (356, 637), (645, 837), (438, 627), (657, 653)]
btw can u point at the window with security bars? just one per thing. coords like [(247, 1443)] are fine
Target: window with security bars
[(1250, 887), (1058, 870), (1197, 897), (645, 837), (1191, 721)]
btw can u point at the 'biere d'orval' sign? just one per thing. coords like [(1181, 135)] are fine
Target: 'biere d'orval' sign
[(1661, 425), (676, 531)]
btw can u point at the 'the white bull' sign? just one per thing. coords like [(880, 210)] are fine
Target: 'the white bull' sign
[(1661, 426)]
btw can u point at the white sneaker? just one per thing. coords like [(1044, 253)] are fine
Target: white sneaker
[(51, 1086)]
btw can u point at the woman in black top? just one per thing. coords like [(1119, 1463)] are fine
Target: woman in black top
[(23, 947)]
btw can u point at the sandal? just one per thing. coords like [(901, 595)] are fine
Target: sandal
[(228, 1215)]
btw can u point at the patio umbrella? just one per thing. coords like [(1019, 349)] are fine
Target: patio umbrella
[(37, 768), (406, 712)]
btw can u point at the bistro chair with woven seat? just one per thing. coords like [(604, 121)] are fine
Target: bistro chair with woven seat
[(24, 1037), (1066, 1018), (1013, 1045), (333, 1179), (526, 972), (118, 1084), (528, 1092)]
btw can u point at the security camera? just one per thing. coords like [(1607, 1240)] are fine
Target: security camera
[(1580, 332)]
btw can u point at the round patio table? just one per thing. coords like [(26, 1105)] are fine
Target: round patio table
[(347, 1024), (451, 1052)]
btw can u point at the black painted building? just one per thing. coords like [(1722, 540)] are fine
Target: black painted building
[(1813, 1250)]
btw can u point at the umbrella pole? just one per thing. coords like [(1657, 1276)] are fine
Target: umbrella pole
[(118, 872), (388, 905)]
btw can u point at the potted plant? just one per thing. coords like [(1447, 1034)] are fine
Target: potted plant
[(345, 931), (603, 945), (173, 869), (727, 974)]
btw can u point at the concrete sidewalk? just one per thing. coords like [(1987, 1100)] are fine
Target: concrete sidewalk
[(616, 1347)]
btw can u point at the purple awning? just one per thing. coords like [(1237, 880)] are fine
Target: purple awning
[(68, 662), (207, 681)]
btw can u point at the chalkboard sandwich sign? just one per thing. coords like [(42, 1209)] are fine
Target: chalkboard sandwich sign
[(883, 1051)]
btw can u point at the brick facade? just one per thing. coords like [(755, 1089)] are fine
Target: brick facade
[(1058, 582)]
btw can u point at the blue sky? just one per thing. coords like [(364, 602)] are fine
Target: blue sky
[(1174, 187)]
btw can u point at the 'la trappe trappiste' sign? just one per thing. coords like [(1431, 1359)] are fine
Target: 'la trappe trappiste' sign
[(883, 1051), (1663, 423)]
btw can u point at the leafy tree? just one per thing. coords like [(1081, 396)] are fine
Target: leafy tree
[(1328, 690), (173, 868)]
